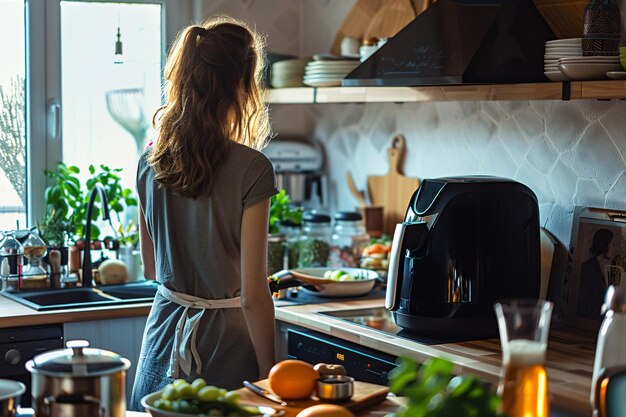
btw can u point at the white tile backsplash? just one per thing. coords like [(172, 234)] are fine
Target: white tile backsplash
[(568, 153)]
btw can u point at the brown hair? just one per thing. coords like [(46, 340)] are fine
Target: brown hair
[(213, 96)]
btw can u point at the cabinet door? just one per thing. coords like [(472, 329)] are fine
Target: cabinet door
[(122, 336)]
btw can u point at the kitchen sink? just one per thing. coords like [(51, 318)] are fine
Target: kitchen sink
[(103, 295)]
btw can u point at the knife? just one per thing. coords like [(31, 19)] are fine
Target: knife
[(264, 393)]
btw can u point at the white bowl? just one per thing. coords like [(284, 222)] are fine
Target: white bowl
[(330, 288), (148, 401), (587, 71)]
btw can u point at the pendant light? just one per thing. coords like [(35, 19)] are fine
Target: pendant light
[(118, 58), (119, 52)]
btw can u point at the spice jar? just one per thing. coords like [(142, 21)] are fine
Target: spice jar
[(348, 240), (314, 246), (368, 47)]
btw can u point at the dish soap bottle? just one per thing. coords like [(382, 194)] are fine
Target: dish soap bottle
[(610, 348)]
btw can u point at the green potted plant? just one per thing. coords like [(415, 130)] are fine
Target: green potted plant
[(62, 199), (66, 208)]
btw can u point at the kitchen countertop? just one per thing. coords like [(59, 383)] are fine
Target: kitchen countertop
[(569, 359), (14, 314)]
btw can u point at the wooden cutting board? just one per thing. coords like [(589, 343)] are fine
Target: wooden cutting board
[(365, 395), (393, 191)]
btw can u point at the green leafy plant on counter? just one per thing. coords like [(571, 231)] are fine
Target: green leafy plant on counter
[(119, 199), (281, 211), (66, 204), (62, 198), (433, 391)]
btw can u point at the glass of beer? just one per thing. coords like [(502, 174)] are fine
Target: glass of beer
[(524, 326)]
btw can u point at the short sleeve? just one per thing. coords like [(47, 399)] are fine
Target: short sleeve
[(259, 181)]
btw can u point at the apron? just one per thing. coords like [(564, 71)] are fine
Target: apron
[(185, 338)]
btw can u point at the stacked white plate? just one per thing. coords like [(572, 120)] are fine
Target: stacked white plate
[(288, 73), (328, 73), (557, 49), (588, 67)]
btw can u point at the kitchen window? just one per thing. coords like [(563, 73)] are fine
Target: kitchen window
[(12, 115), (72, 90)]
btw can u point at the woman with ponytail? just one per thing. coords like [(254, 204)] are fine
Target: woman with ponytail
[(204, 189)]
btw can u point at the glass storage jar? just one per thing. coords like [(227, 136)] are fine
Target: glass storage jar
[(293, 234), (348, 240), (314, 245), (12, 255)]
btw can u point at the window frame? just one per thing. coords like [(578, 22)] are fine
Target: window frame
[(44, 102)]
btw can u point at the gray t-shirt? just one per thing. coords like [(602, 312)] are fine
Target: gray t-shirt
[(197, 245)]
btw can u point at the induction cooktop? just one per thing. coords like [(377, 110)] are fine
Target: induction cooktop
[(380, 319)]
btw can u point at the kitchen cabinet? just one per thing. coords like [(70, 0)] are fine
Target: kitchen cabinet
[(574, 90), (122, 336)]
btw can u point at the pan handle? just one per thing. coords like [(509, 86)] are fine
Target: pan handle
[(286, 280)]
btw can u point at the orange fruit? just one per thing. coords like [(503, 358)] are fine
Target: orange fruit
[(292, 379), (325, 410)]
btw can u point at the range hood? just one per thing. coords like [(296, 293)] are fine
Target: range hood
[(461, 42)]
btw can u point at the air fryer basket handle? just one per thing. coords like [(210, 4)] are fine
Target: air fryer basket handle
[(408, 235), (394, 278)]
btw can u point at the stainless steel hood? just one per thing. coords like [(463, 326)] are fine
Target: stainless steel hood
[(462, 42)]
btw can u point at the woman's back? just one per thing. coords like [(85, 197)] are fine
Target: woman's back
[(197, 241)]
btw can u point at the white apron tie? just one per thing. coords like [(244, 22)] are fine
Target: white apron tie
[(185, 338)]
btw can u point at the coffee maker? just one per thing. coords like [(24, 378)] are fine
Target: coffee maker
[(465, 243), (298, 164)]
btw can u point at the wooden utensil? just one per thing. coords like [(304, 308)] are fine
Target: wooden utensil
[(358, 194), (365, 395), (393, 191), (390, 19)]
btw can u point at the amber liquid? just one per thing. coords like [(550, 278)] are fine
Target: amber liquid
[(524, 388)]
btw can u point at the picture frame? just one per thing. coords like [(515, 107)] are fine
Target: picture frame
[(597, 258)]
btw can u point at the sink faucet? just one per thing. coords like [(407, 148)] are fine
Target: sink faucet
[(87, 269)]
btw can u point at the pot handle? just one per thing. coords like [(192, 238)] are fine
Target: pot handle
[(77, 346)]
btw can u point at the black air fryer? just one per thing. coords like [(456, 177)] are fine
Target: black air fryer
[(466, 242)]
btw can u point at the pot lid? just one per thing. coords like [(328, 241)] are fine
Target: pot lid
[(78, 360)]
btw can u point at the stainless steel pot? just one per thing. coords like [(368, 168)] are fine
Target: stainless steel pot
[(10, 392), (79, 381)]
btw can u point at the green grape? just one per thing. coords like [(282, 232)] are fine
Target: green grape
[(231, 397), (163, 405), (214, 412), (197, 385), (209, 393), (179, 382), (184, 390), (169, 393)]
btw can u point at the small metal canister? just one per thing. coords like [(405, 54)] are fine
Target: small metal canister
[(79, 381), (335, 388)]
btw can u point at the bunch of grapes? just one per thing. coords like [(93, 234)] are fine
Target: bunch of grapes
[(200, 398)]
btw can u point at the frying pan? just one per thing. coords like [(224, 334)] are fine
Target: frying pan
[(312, 280)]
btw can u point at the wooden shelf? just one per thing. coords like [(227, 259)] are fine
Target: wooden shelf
[(575, 90)]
